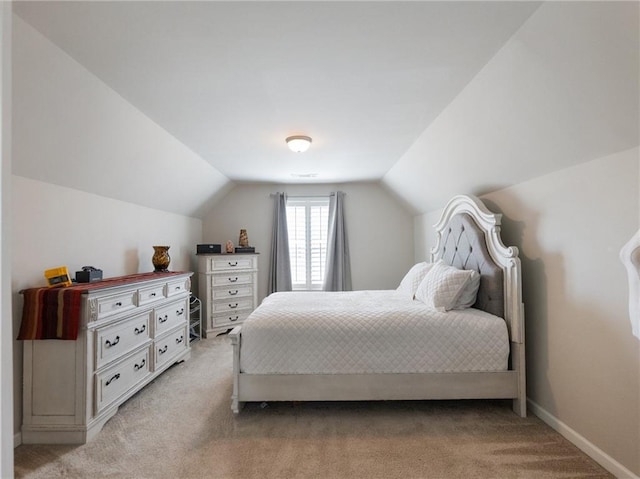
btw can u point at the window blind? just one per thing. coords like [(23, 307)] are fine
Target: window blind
[(307, 222)]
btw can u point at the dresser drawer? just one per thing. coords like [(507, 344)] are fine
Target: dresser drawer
[(233, 291), (115, 381), (169, 346), (232, 279), (167, 317), (230, 319), (115, 341), (232, 305), (174, 288), (232, 262), (116, 303), (149, 295)]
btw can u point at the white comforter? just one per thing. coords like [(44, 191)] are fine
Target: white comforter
[(368, 332)]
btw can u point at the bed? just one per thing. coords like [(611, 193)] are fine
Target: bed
[(388, 345)]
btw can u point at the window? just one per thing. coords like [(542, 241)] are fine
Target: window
[(307, 222)]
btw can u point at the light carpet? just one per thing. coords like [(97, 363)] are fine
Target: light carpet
[(181, 426)]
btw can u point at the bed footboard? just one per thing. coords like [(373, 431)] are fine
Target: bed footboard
[(236, 405), (407, 386)]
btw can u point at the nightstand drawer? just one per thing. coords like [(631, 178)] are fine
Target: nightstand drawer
[(115, 341), (233, 291)]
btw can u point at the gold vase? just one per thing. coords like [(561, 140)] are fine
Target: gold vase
[(161, 258)]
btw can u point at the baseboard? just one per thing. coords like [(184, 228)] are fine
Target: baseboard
[(17, 439), (591, 450)]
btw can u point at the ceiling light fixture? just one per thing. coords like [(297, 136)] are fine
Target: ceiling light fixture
[(298, 143), (304, 175)]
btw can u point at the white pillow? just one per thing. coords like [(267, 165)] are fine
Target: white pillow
[(469, 293), (413, 278), (442, 286)]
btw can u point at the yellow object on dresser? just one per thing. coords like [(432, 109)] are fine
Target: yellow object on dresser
[(58, 276)]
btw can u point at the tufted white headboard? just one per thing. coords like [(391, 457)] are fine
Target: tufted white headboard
[(468, 237)]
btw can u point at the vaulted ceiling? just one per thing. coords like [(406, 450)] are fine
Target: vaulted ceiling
[(231, 80)]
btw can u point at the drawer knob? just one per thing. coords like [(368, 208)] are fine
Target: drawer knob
[(163, 319), (180, 312), (233, 280), (179, 340), (140, 330), (178, 288), (233, 293), (233, 306), (118, 304), (153, 295), (113, 378), (163, 350), (138, 367), (110, 344), (235, 263), (233, 319)]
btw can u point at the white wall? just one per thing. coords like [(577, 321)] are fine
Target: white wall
[(562, 91), (6, 323), (72, 130), (582, 359), (380, 230), (56, 226), (570, 227)]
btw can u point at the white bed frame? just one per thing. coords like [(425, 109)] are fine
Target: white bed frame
[(509, 384)]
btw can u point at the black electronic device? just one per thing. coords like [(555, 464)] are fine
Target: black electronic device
[(89, 274), (208, 248)]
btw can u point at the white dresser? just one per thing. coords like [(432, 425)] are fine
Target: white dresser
[(228, 286), (129, 333)]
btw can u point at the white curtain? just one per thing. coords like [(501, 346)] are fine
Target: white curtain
[(338, 269), (279, 260)]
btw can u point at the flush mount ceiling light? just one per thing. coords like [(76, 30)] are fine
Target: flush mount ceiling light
[(304, 175), (298, 143)]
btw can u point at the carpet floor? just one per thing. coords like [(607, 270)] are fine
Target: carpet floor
[(181, 426)]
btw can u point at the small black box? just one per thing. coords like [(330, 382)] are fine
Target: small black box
[(245, 249), (208, 248), (88, 276)]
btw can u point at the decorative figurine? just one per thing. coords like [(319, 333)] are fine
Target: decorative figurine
[(243, 242), (229, 246)]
